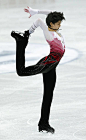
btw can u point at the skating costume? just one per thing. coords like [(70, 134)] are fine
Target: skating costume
[(46, 66), (57, 49)]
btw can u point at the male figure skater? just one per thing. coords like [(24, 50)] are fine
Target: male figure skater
[(47, 65)]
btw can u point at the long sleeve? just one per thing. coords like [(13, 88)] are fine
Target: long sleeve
[(45, 12), (43, 26), (37, 11)]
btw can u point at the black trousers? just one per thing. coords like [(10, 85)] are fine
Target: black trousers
[(49, 80), (49, 77)]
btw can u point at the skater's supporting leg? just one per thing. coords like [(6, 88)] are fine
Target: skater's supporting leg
[(49, 80)]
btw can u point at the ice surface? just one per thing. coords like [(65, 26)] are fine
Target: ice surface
[(20, 98)]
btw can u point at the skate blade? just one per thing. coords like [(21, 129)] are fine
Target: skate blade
[(18, 32), (45, 131)]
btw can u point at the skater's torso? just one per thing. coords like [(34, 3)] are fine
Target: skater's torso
[(57, 43), (54, 39)]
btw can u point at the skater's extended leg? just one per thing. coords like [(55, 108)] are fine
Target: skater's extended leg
[(40, 67), (20, 62), (21, 43)]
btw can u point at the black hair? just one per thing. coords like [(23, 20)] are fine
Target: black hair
[(54, 17)]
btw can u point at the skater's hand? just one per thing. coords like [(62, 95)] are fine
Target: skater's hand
[(31, 11), (28, 11)]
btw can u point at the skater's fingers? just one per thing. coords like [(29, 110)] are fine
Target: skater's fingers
[(26, 10), (29, 16)]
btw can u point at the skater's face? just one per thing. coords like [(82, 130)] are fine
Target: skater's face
[(56, 25)]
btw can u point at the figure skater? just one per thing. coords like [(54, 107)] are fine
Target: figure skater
[(47, 65)]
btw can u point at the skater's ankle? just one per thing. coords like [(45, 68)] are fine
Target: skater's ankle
[(27, 34), (43, 122)]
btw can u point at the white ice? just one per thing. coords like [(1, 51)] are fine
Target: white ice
[(20, 98)]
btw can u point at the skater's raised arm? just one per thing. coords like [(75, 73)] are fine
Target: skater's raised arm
[(36, 11), (45, 12), (39, 23)]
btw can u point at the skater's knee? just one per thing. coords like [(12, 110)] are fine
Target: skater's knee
[(19, 73)]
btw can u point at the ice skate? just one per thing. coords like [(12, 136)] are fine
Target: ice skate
[(20, 38), (17, 35), (46, 127), (27, 34)]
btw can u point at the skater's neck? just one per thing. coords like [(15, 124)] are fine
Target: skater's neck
[(53, 30)]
